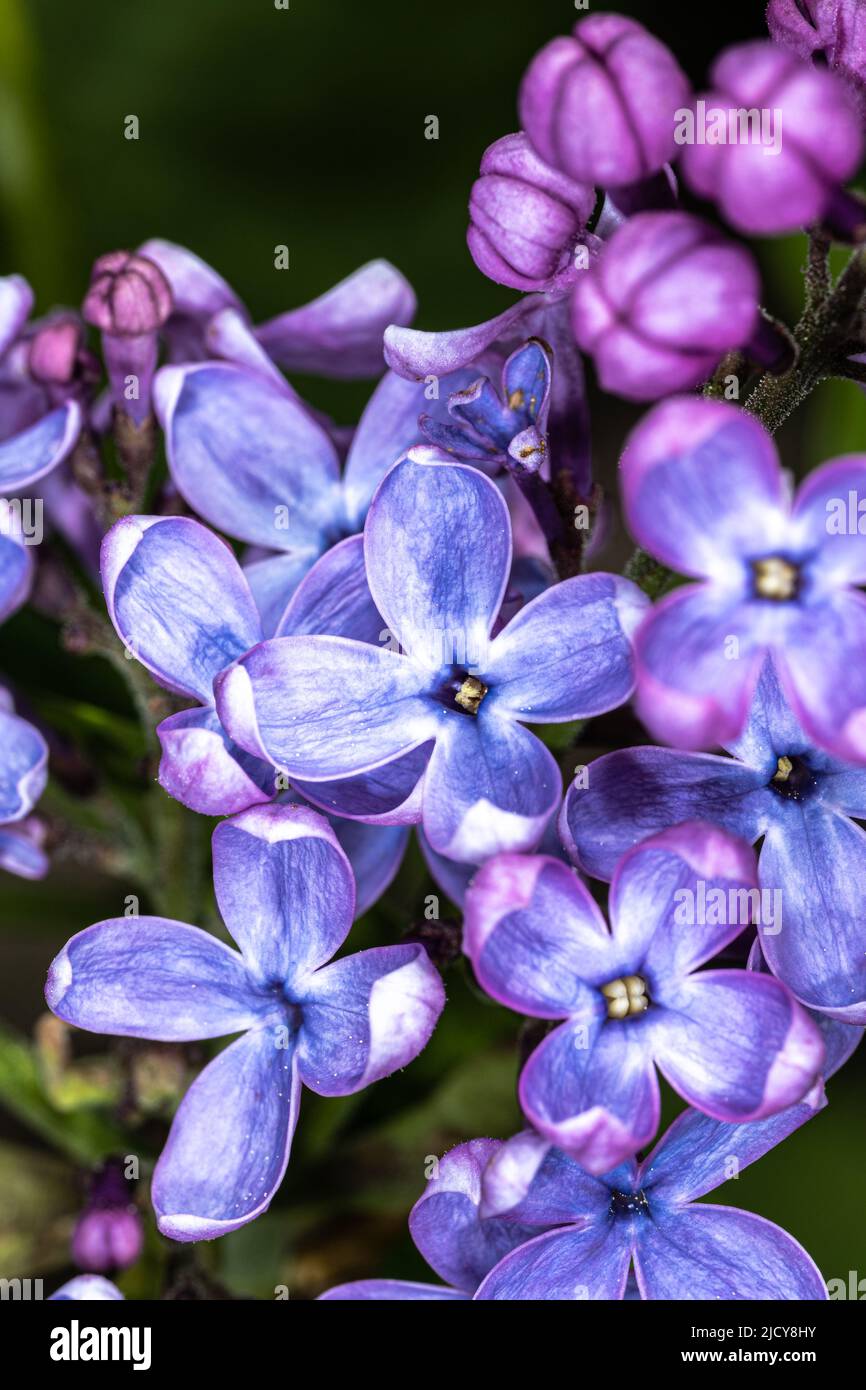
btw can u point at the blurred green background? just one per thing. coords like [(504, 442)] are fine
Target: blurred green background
[(261, 126)]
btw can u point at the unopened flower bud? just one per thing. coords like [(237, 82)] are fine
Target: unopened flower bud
[(128, 295), (109, 1233)]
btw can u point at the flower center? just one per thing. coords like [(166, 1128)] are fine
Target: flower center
[(776, 578), (793, 778), (628, 1203), (626, 997), (470, 694)]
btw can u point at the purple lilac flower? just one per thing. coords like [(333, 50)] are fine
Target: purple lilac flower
[(437, 546), (128, 300), (830, 31), (337, 335), (23, 775), (181, 605), (507, 426), (453, 360), (760, 189), (779, 788), (88, 1288), (647, 1215), (108, 1234), (286, 893), (667, 297), (600, 103), (704, 492), (526, 220), (735, 1045)]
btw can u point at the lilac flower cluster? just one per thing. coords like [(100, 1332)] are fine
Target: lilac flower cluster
[(360, 632)]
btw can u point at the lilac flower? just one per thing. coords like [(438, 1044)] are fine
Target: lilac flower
[(600, 104), (337, 335), (453, 360), (40, 414), (646, 1214), (286, 893), (437, 547), (506, 427), (129, 300), (448, 1230), (703, 491), (832, 31), (779, 788), (88, 1288), (735, 1045), (526, 220), (108, 1234), (23, 774), (666, 299), (793, 178), (181, 605)]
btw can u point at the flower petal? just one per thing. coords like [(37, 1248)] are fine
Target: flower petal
[(414, 354), (16, 573), (445, 1224), (387, 795), (229, 1143), (246, 456), (334, 598), (567, 654), (21, 850), (36, 451), (701, 484), (88, 1287), (830, 514), (284, 889), (365, 1016), (678, 898), (23, 767), (824, 675), (562, 1266), (490, 785), (340, 333), (699, 655), (16, 303), (202, 769), (623, 797), (178, 600), (147, 977), (534, 934), (375, 853), (709, 1252), (816, 859), (273, 582), (538, 1185), (391, 1291), (736, 1044), (323, 707), (590, 1088), (437, 546)]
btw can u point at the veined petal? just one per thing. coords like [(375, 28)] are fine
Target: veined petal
[(375, 853), (816, 861), (563, 1266), (246, 456), (702, 485), (16, 573), (340, 333), (636, 792), (709, 1252), (437, 546), (534, 935), (147, 977), (273, 582), (229, 1143), (35, 451), (414, 354), (334, 598), (178, 600), (284, 889), (324, 707), (538, 1185), (202, 769), (736, 1044), (490, 785), (567, 654), (823, 673), (590, 1088), (23, 767), (389, 795), (365, 1016)]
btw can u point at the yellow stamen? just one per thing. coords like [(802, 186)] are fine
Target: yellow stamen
[(470, 694)]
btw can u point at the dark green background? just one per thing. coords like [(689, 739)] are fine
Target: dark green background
[(305, 127)]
